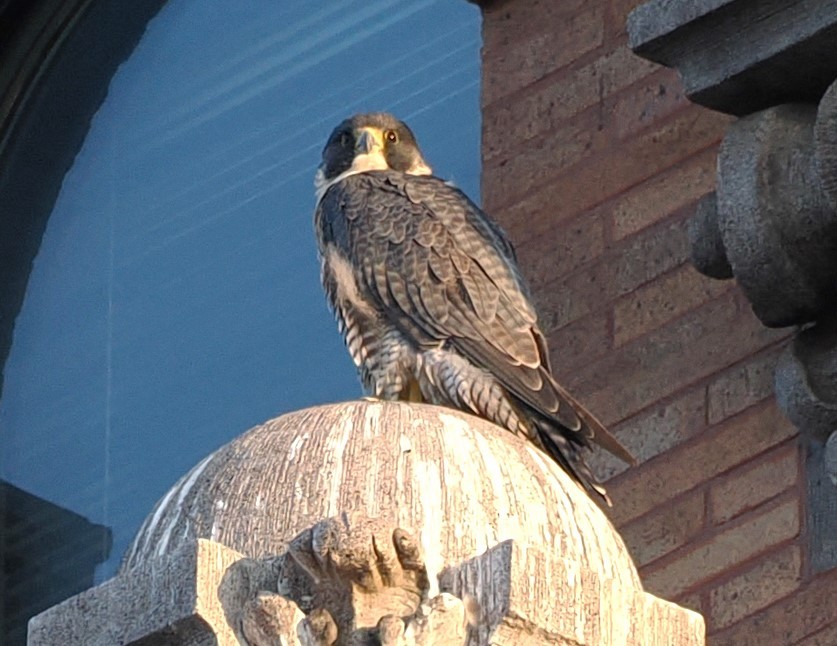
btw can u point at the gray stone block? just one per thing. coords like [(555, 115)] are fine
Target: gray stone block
[(706, 245), (806, 380), (779, 232), (740, 56)]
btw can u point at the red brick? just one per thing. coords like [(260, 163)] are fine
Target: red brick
[(824, 637), (656, 303), (666, 360), (775, 576), (561, 250), (625, 267), (735, 545), (664, 194), (578, 343), (810, 609), (740, 438), (541, 159), (693, 601), (507, 21), (658, 96), (752, 484), (654, 431), (672, 526), (515, 63), (600, 177), (516, 120), (742, 385)]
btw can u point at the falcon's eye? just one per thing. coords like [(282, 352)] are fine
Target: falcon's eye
[(391, 136), (345, 140)]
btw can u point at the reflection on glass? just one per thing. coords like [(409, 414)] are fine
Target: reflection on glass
[(175, 300)]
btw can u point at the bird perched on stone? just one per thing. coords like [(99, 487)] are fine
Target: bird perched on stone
[(429, 298)]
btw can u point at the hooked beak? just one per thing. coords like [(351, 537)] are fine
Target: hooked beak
[(368, 141)]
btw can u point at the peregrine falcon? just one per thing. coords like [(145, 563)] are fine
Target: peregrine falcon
[(429, 298)]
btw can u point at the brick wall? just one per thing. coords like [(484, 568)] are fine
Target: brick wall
[(593, 160)]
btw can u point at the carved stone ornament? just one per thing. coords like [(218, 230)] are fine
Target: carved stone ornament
[(373, 523), (362, 581), (772, 222)]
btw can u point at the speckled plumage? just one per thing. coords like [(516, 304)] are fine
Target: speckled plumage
[(432, 307)]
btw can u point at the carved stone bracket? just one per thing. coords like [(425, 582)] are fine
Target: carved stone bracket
[(425, 526), (772, 222)]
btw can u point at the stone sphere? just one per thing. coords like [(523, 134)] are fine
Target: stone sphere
[(460, 484)]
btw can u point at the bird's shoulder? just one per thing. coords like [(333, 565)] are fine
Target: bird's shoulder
[(419, 196)]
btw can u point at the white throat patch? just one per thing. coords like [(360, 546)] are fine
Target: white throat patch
[(374, 160)]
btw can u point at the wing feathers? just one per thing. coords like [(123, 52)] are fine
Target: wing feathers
[(445, 276)]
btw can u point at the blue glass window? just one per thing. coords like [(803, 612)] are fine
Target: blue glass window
[(175, 298)]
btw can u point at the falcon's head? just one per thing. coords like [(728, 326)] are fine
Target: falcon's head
[(364, 142)]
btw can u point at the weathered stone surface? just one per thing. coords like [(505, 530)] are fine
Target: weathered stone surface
[(806, 380), (448, 531), (181, 598), (510, 579), (460, 483), (778, 230), (740, 56), (830, 458), (825, 143), (206, 593), (705, 242)]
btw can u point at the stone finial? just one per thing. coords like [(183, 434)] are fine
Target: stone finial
[(374, 522)]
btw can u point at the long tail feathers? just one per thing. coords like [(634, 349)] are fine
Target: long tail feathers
[(569, 455)]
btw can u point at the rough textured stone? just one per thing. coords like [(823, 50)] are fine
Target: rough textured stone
[(741, 386), (514, 607), (773, 578), (825, 143), (429, 469), (638, 492), (504, 547), (811, 609), (750, 486), (830, 458), (739, 56), (666, 529), (806, 379), (821, 509), (654, 431), (180, 598), (778, 231), (705, 242), (732, 546), (661, 196)]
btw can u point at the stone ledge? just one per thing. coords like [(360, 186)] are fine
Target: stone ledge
[(740, 56)]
